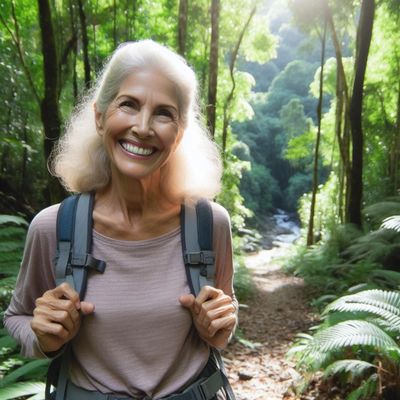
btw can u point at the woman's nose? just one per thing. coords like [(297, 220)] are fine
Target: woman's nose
[(142, 124)]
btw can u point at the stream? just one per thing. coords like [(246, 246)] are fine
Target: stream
[(281, 231)]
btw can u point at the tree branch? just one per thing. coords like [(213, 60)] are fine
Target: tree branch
[(17, 42)]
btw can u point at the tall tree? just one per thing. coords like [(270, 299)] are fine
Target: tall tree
[(85, 43), (310, 232), (364, 35), (49, 109), (232, 63), (182, 26), (213, 67)]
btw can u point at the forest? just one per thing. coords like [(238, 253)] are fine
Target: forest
[(302, 98)]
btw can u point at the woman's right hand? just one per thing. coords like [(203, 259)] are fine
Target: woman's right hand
[(57, 317)]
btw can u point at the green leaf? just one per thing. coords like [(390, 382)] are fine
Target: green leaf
[(9, 342), (354, 367), (6, 219), (34, 367), (20, 389), (352, 333)]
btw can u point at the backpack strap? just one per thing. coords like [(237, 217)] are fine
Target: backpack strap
[(197, 243), (199, 259), (74, 242)]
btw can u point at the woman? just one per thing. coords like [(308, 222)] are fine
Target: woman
[(136, 141)]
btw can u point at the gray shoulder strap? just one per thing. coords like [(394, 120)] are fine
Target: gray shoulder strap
[(197, 228)]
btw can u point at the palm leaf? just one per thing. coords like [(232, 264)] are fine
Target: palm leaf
[(352, 333), (392, 222), (366, 389), (354, 367), (7, 219), (385, 304), (32, 368), (20, 389), (383, 209)]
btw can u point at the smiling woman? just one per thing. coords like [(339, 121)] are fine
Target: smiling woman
[(194, 170), (141, 128), (142, 330)]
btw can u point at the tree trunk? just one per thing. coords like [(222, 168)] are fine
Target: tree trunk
[(228, 101), (74, 52), (85, 43), (49, 105), (213, 67), (310, 232), (396, 140), (182, 26), (115, 23), (364, 35)]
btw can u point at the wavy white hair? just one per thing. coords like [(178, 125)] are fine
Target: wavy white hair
[(81, 162)]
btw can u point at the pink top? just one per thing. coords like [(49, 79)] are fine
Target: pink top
[(140, 340)]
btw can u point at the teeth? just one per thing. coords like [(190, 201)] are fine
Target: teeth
[(141, 151)]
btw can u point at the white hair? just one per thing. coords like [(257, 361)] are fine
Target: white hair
[(81, 162)]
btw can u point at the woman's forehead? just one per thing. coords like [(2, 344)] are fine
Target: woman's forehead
[(150, 83)]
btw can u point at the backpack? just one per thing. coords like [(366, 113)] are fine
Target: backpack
[(73, 260)]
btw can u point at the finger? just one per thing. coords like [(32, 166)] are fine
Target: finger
[(187, 301), (42, 328), (227, 323), (208, 292), (56, 304), (66, 291), (216, 313), (87, 308), (213, 304), (62, 317)]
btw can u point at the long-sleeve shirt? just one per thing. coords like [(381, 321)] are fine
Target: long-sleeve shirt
[(140, 340)]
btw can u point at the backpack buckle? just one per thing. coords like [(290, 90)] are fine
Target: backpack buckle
[(88, 261), (200, 257)]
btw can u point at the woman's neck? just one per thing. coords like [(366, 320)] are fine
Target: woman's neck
[(134, 209)]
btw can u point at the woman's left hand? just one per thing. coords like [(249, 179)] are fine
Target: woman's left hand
[(214, 315)]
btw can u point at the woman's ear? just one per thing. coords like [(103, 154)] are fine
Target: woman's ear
[(98, 119)]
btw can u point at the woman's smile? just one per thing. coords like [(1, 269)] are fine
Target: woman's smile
[(141, 127), (137, 150)]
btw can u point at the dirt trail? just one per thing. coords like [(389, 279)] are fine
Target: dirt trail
[(269, 321)]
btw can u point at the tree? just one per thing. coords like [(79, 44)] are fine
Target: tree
[(364, 35), (310, 232), (213, 69), (182, 26)]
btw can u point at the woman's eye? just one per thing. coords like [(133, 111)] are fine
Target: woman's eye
[(164, 112), (128, 104)]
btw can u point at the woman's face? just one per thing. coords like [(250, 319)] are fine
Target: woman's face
[(141, 127)]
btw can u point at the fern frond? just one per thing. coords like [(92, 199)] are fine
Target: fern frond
[(352, 333), (392, 222), (354, 367), (379, 301), (367, 389), (387, 277), (35, 368), (383, 209), (19, 389), (12, 219)]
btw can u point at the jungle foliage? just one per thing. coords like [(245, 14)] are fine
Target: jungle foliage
[(303, 98)]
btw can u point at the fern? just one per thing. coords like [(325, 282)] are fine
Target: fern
[(20, 389), (355, 368), (352, 333), (367, 389), (32, 369), (392, 222), (384, 304), (379, 211)]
